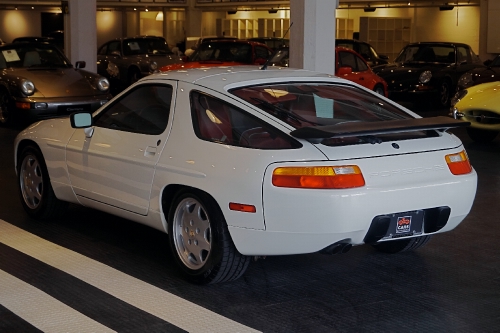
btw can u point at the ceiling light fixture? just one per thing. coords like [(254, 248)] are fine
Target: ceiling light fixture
[(231, 12), (369, 9)]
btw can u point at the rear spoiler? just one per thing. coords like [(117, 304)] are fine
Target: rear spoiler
[(367, 128)]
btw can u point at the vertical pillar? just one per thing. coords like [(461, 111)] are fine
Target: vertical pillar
[(312, 37), (82, 44), (193, 20)]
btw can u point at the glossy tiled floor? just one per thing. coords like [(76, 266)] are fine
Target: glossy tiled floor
[(95, 272)]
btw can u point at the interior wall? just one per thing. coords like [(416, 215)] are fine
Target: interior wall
[(429, 23), (19, 23), (149, 25), (109, 26), (208, 26)]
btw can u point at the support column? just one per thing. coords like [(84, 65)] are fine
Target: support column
[(82, 43), (193, 20), (312, 37)]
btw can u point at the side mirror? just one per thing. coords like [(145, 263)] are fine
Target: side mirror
[(487, 62), (185, 58), (80, 120), (116, 53), (383, 56), (80, 64), (344, 71)]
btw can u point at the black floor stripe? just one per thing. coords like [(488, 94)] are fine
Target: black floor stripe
[(84, 298), (10, 322)]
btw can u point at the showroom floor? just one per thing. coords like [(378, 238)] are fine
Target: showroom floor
[(92, 272)]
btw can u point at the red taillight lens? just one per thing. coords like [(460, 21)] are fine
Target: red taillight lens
[(331, 177), (458, 163)]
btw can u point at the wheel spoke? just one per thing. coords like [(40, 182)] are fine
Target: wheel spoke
[(32, 182), (193, 234)]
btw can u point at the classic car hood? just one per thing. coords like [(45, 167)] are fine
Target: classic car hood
[(406, 69), (59, 82), (481, 96), (162, 60)]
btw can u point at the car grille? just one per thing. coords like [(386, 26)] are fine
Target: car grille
[(482, 116)]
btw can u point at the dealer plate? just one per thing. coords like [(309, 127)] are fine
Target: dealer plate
[(405, 224)]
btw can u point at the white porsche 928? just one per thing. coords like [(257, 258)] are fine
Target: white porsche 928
[(235, 163)]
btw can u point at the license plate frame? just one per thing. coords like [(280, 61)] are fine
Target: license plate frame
[(405, 224)]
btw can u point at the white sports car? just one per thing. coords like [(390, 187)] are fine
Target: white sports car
[(235, 163)]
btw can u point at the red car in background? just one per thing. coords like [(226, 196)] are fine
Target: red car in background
[(349, 65), (224, 53)]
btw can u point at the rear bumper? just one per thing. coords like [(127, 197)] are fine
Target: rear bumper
[(306, 220)]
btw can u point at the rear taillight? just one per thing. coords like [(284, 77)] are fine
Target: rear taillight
[(328, 177), (458, 163)]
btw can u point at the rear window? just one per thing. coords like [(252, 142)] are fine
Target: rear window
[(321, 104)]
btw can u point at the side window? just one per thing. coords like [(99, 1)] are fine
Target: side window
[(347, 59), (261, 52), (462, 55), (113, 46), (364, 50), (217, 121), (361, 64), (144, 109), (103, 50)]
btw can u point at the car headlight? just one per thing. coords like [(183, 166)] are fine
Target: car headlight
[(465, 80), (27, 87), (103, 84), (153, 66), (458, 96), (425, 77)]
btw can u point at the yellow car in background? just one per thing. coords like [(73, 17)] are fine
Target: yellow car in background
[(479, 105)]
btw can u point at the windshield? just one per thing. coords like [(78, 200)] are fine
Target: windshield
[(23, 55), (280, 58), (427, 53), (495, 62), (151, 46), (306, 104), (221, 51)]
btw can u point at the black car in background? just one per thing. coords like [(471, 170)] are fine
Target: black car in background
[(125, 60), (489, 73), (428, 71), (372, 57)]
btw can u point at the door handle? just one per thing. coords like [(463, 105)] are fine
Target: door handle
[(150, 151)]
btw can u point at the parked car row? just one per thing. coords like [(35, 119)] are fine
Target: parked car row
[(422, 71)]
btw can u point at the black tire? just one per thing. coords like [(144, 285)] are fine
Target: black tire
[(37, 196), (444, 94), (481, 136), (200, 241), (379, 89), (5, 113), (402, 245)]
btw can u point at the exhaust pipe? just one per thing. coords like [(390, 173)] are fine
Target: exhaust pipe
[(339, 247)]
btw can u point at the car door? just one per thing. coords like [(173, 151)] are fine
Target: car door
[(115, 164), (360, 71)]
